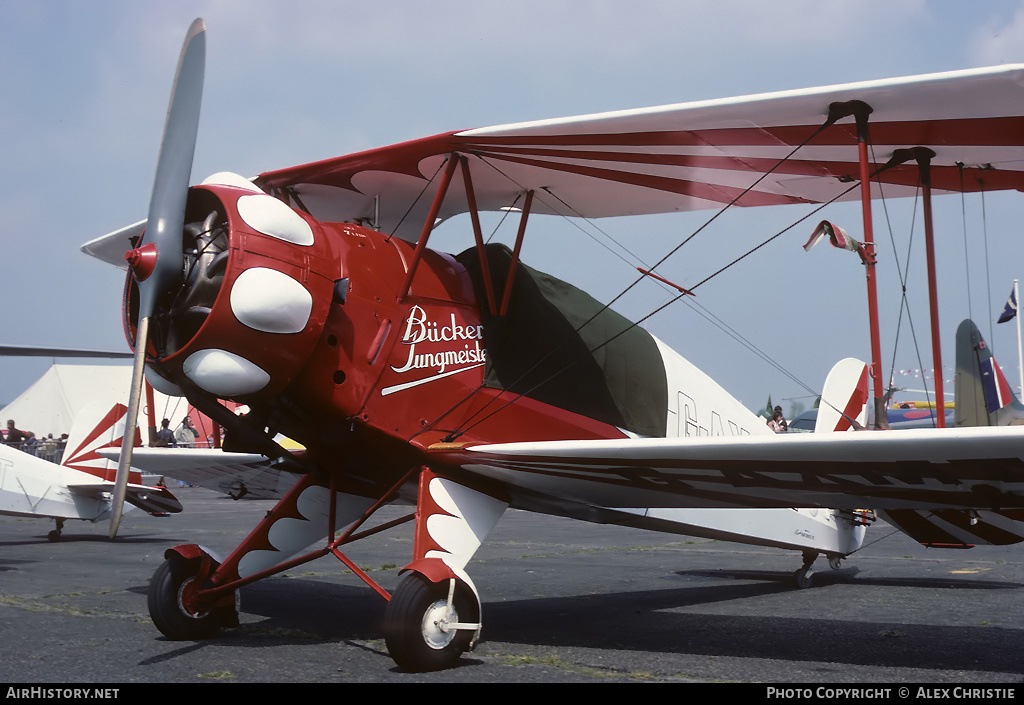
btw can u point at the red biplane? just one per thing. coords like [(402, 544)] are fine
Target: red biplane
[(465, 384)]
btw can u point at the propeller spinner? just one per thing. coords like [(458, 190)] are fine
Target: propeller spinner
[(156, 263)]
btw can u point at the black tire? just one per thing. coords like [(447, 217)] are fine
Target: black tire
[(414, 641), (803, 578), (165, 607)]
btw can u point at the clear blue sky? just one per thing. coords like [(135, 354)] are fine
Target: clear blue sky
[(85, 88)]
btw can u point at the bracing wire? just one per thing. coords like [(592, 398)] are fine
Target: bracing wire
[(468, 424), (963, 219), (904, 278), (464, 427), (988, 275), (417, 199)]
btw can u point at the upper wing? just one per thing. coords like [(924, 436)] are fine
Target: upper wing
[(925, 468), (687, 156)]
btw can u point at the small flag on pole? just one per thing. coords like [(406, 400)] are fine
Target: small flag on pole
[(837, 236), (1010, 310)]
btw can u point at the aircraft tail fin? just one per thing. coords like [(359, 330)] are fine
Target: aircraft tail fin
[(844, 399), (99, 425), (982, 395)]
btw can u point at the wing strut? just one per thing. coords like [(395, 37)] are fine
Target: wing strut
[(861, 111), (923, 155), (515, 253), (456, 161), (428, 224), (478, 235)]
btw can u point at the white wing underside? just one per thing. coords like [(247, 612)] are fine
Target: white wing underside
[(237, 474), (926, 468)]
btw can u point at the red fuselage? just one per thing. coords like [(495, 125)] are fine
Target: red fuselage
[(307, 323)]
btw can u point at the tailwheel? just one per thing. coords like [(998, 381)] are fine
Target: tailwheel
[(804, 575), (171, 593), (54, 535), (428, 626)]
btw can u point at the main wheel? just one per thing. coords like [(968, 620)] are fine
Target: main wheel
[(417, 624), (171, 583)]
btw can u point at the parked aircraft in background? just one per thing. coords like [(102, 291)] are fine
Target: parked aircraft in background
[(82, 485)]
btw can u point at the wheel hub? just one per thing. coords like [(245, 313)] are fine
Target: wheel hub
[(435, 628), (186, 599)]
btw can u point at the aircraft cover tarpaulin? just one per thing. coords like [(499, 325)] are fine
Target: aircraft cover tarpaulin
[(608, 369)]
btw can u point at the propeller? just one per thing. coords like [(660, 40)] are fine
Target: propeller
[(156, 264)]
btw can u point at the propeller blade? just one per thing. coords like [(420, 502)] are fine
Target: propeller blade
[(130, 422), (157, 264), (174, 169)]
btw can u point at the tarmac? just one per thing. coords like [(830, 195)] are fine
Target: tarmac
[(564, 602)]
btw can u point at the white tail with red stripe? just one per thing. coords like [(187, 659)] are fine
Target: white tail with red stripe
[(844, 399), (99, 425)]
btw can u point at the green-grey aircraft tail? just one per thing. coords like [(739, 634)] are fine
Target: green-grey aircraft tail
[(983, 396)]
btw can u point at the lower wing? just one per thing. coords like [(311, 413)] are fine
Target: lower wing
[(979, 468)]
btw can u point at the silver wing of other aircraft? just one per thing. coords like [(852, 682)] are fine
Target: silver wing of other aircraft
[(35, 351)]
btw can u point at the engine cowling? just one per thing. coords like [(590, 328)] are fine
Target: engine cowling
[(257, 282)]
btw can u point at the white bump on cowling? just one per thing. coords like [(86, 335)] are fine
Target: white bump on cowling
[(267, 215), (224, 374), (162, 384), (227, 178), (270, 301)]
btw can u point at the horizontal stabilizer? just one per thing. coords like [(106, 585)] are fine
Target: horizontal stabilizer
[(155, 500)]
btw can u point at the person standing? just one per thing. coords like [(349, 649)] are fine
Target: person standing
[(186, 434), (15, 437), (165, 436)]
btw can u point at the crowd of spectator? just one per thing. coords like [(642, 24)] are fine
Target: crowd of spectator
[(48, 448), (52, 449)]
